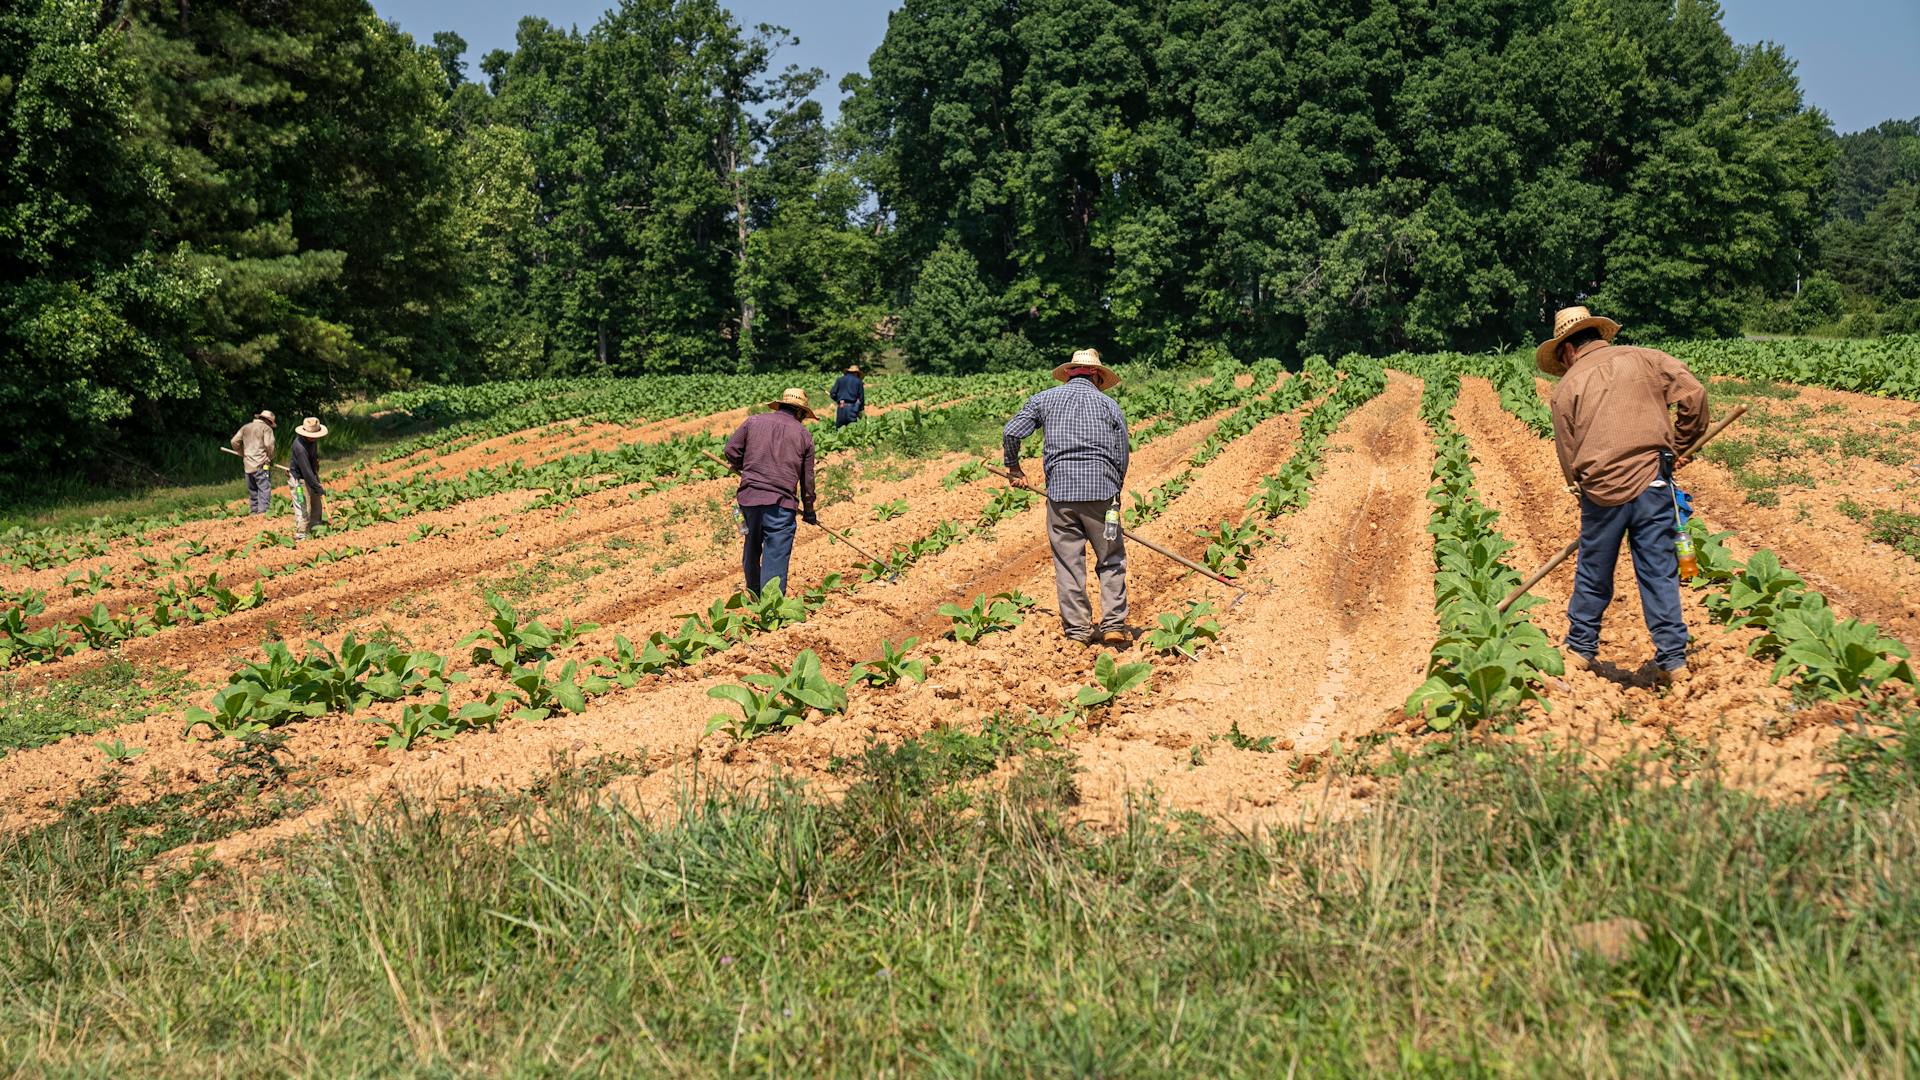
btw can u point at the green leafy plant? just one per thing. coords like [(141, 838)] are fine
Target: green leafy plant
[(1230, 546), (887, 511), (1111, 679), (893, 666), (1240, 740), (437, 720), (966, 473), (119, 752), (1180, 632), (507, 641), (987, 615), (777, 700)]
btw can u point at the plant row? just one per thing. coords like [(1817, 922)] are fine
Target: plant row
[(1827, 657), (1485, 662)]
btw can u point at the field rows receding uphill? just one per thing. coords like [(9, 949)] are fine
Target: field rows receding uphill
[(1349, 637)]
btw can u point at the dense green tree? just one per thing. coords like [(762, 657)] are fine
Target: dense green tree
[(952, 320), (1299, 175), (92, 312)]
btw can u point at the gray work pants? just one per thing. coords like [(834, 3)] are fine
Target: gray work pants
[(1071, 527), (260, 490)]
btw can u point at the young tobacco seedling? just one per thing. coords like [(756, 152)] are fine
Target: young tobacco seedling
[(988, 615), (781, 701), (887, 511), (893, 666), (1111, 680), (1181, 633)]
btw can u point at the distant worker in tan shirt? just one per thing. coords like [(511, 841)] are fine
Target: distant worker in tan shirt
[(1617, 442)]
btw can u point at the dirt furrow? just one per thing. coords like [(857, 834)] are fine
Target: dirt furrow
[(1325, 655)]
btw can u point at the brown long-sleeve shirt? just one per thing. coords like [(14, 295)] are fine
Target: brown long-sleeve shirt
[(773, 452), (1610, 419)]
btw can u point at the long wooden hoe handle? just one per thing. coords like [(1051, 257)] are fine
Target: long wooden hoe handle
[(1566, 553), (1151, 546), (717, 459), (236, 453)]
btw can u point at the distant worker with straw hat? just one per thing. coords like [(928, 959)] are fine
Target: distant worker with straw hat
[(1617, 445), (1085, 458), (849, 397), (254, 443), (303, 477), (773, 454)]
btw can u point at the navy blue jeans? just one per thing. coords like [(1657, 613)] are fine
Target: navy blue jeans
[(769, 544), (1646, 524)]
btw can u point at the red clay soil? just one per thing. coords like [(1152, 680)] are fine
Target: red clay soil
[(34, 780), (1324, 655), (1616, 708), (664, 718)]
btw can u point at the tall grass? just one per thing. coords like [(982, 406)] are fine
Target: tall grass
[(979, 932)]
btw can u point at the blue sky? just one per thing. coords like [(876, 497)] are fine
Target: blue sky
[(1859, 59)]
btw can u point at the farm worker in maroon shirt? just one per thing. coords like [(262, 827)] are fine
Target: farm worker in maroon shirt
[(773, 453)]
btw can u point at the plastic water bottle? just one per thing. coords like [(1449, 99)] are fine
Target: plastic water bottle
[(739, 521), (1113, 520), (1689, 562)]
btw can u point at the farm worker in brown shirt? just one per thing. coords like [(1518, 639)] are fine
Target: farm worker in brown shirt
[(1616, 443), (773, 453)]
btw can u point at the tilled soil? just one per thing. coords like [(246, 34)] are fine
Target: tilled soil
[(1324, 654), (1616, 708), (664, 719), (629, 601)]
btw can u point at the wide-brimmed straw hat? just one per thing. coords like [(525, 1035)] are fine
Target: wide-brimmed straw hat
[(853, 369), (267, 415), (795, 398), (1568, 322), (312, 428), (1104, 377)]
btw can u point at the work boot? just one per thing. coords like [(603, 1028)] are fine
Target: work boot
[(1673, 676), (1575, 661), (1117, 638)]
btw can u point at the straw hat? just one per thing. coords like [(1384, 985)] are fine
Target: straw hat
[(1104, 377), (267, 415), (312, 428), (853, 369), (793, 397), (1568, 322)]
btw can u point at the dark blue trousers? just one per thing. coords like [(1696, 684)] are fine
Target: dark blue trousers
[(1646, 524), (768, 546)]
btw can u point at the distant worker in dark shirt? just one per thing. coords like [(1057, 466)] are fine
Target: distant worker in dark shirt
[(1086, 463), (1617, 442), (849, 397), (773, 453), (303, 477)]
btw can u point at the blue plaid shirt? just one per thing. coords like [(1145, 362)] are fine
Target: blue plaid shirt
[(1086, 440)]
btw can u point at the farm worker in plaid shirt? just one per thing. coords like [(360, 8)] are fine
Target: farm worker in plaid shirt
[(773, 453), (1085, 457)]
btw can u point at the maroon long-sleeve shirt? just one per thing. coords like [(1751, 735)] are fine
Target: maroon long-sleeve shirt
[(774, 453)]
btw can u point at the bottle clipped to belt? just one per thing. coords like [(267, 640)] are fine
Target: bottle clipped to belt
[(1682, 510), (1689, 562), (1113, 520), (739, 521)]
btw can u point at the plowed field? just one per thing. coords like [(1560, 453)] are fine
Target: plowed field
[(1322, 636)]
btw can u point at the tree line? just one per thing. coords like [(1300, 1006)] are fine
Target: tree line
[(208, 208)]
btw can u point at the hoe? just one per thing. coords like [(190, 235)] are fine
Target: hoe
[(1567, 552), (891, 578), (1238, 596)]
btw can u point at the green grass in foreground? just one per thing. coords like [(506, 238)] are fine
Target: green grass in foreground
[(971, 930)]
